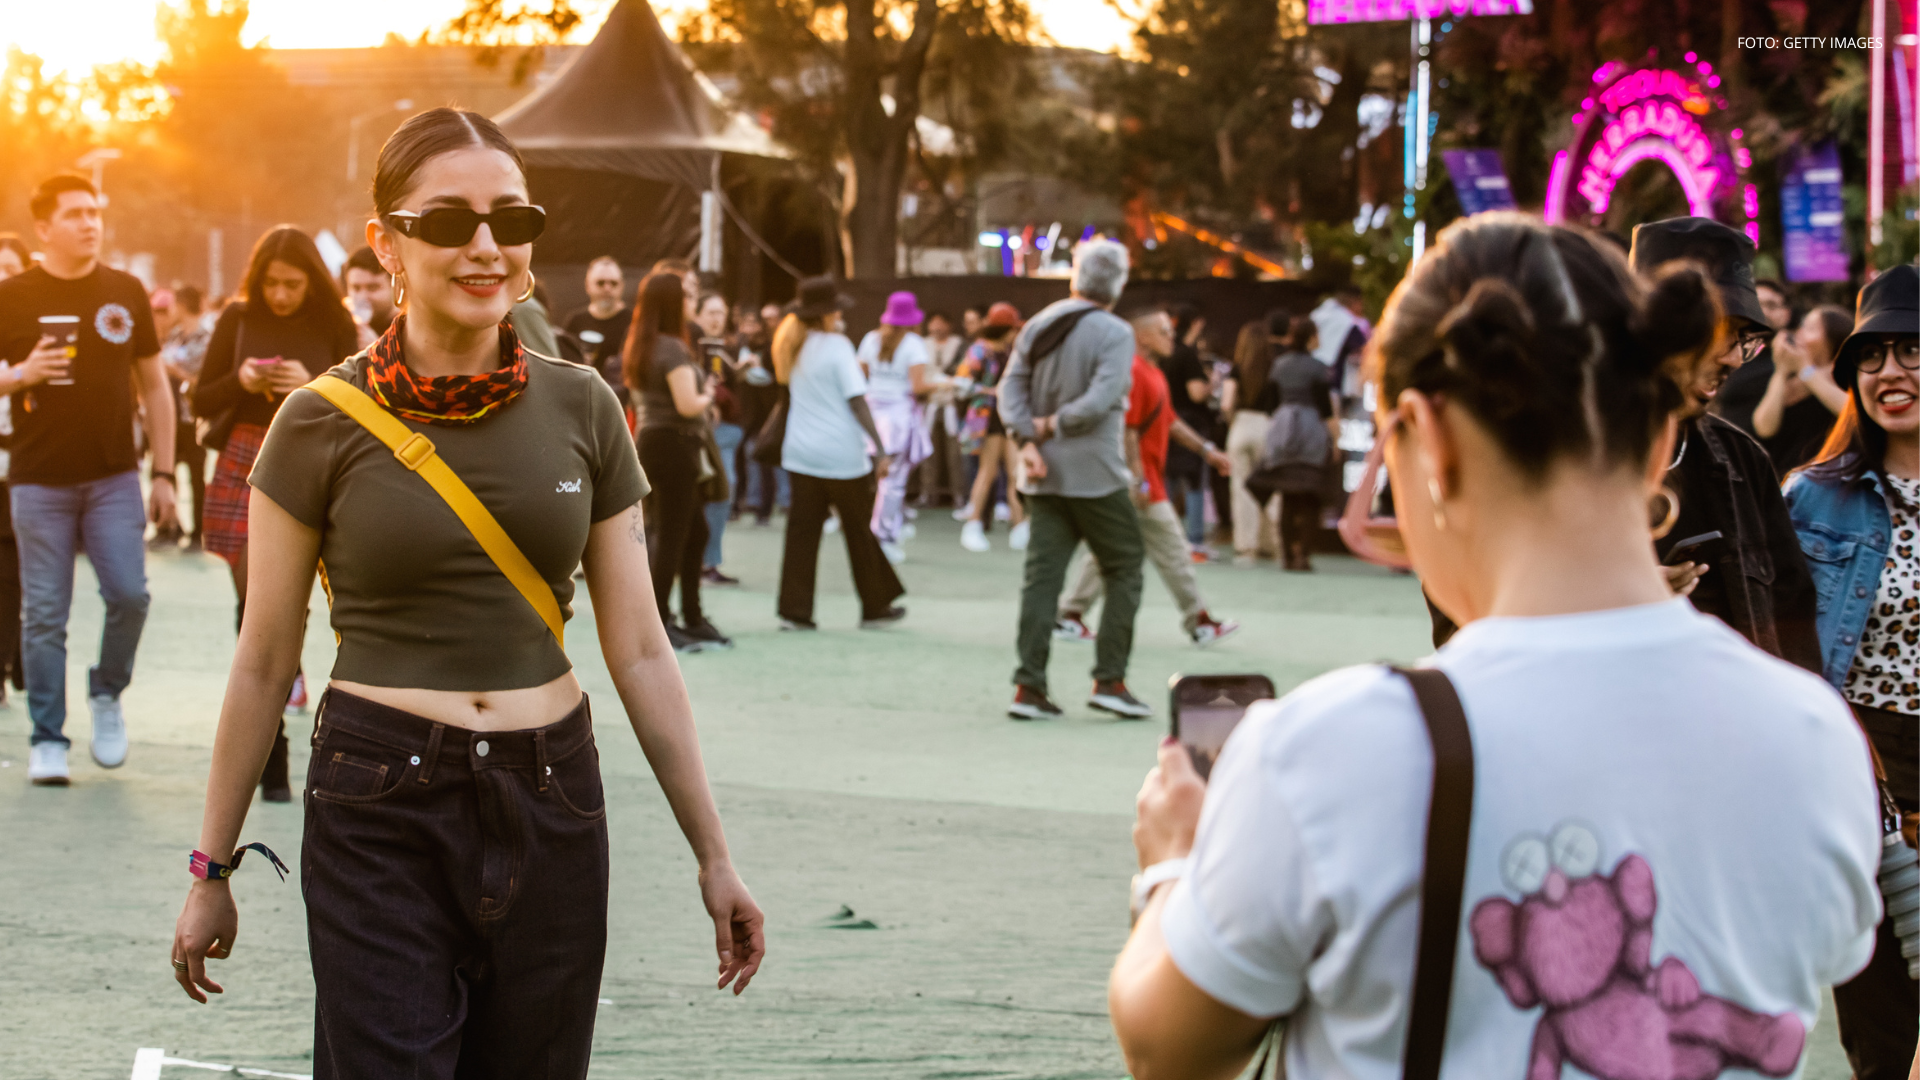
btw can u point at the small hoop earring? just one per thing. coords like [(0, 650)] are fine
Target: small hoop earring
[(1439, 504), (528, 295), (398, 284), (1672, 499)]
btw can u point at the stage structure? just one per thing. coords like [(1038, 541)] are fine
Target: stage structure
[(626, 149), (1652, 113)]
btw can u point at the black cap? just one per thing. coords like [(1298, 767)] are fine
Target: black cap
[(1724, 250), (820, 296), (1890, 304)]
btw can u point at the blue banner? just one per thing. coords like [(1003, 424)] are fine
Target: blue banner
[(1812, 216), (1478, 180)]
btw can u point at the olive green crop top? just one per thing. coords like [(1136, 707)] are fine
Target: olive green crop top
[(416, 602)]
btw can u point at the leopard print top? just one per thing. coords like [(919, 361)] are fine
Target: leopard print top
[(1886, 670)]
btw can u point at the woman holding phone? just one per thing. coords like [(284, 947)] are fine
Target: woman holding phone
[(287, 327), (1625, 856), (455, 858)]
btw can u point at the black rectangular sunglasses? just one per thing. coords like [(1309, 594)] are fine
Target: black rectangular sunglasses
[(453, 226)]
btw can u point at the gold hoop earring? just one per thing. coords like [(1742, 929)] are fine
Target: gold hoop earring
[(528, 295), (1672, 513), (1439, 504), (397, 283)]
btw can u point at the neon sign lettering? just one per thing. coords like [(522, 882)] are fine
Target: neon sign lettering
[(1650, 114), (1322, 12)]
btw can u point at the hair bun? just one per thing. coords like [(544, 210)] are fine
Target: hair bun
[(1490, 336), (1681, 315)]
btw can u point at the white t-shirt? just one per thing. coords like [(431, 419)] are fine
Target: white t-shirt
[(823, 438), (890, 382), (1657, 803)]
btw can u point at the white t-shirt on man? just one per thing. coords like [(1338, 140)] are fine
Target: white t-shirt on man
[(1674, 845), (823, 438)]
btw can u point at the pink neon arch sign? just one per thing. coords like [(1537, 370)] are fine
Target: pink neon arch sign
[(1653, 114)]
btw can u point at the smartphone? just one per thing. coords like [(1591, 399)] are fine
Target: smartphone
[(1706, 548), (1206, 709)]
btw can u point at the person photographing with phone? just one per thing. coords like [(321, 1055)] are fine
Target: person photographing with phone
[(1521, 856), (287, 327), (75, 481)]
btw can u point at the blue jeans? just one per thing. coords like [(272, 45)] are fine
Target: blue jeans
[(761, 477), (108, 520), (728, 436)]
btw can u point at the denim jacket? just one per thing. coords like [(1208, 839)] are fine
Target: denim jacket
[(1844, 530)]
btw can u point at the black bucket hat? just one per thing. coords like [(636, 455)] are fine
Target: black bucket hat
[(1890, 304), (1725, 251), (820, 296)]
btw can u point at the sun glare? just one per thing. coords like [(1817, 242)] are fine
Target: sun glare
[(75, 35)]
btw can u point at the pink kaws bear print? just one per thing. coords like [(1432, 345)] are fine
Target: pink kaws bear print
[(1579, 945)]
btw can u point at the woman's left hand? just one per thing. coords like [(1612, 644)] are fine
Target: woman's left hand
[(739, 928), (1168, 807)]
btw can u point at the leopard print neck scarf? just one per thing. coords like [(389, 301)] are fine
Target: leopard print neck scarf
[(449, 399)]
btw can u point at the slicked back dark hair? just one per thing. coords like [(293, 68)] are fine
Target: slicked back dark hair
[(426, 136)]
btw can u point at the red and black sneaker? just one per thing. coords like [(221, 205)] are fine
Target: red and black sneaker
[(1031, 704), (1112, 696)]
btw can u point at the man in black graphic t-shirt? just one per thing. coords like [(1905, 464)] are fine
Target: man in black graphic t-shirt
[(75, 479)]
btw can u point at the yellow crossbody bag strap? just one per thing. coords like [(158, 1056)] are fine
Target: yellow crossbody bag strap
[(416, 452)]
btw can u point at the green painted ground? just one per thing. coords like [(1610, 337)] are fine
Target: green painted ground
[(873, 770)]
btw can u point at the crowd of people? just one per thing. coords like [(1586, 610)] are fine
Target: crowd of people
[(1663, 522)]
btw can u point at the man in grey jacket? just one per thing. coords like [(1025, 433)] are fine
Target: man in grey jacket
[(1064, 400)]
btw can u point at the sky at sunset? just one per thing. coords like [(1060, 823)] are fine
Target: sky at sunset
[(75, 34)]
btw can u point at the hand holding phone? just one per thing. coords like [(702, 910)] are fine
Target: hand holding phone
[(1708, 547), (1206, 709)]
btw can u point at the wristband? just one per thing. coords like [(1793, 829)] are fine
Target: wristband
[(1152, 878), (202, 866), (168, 477)]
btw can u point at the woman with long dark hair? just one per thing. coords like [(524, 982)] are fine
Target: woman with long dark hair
[(454, 862), (982, 436), (1795, 415), (1856, 509), (671, 431), (1248, 400), (1299, 441), (286, 326)]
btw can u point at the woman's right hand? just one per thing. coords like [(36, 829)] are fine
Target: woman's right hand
[(255, 376), (206, 929)]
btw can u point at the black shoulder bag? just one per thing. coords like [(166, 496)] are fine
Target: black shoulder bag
[(1442, 882)]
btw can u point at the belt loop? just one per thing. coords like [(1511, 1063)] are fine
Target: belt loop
[(433, 753), (319, 718), (540, 758)]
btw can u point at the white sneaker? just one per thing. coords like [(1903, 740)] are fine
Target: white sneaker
[(1002, 512), (833, 525), (894, 552), (962, 512), (973, 537), (47, 764), (1017, 536), (908, 531), (109, 732)]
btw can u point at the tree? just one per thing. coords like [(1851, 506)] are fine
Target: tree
[(845, 82)]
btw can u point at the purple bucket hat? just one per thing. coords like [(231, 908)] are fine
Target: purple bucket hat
[(903, 310)]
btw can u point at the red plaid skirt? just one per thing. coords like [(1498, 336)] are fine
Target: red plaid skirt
[(224, 523)]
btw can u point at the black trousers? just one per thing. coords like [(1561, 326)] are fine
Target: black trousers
[(1879, 1009), (671, 459), (456, 890), (873, 575)]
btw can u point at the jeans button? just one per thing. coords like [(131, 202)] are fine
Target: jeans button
[(416, 759), (481, 748), (1859, 590)]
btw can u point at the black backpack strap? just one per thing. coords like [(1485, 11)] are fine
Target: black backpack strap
[(1444, 877), (1054, 334)]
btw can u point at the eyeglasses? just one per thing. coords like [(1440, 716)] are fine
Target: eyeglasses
[(454, 226), (1751, 346), (1873, 356)]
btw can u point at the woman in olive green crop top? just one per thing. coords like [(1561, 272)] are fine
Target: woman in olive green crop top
[(454, 862)]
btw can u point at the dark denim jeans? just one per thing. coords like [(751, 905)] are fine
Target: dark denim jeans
[(456, 890)]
